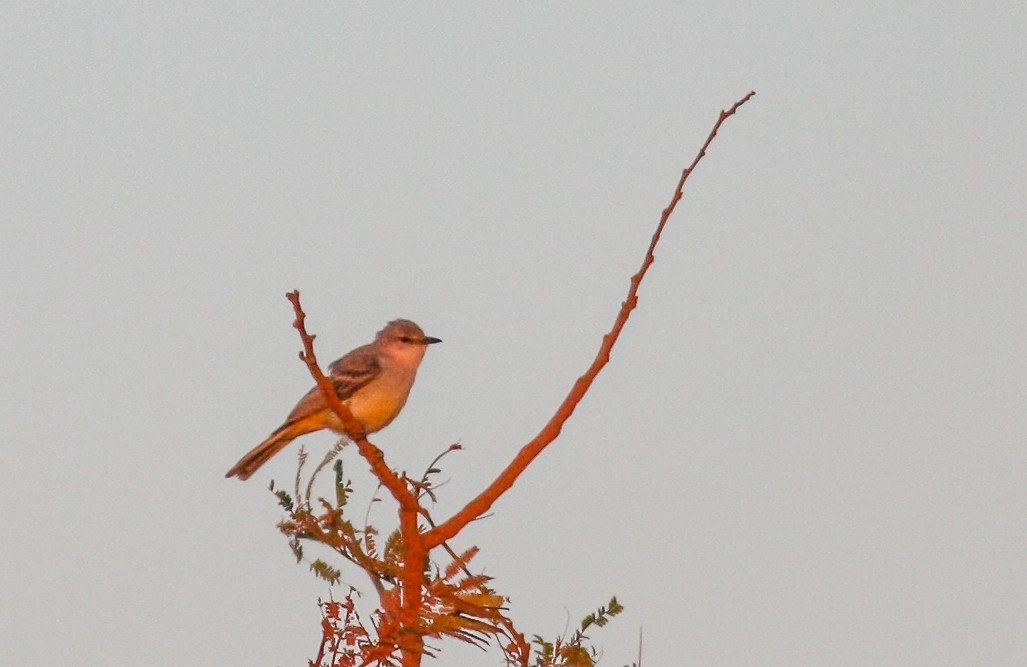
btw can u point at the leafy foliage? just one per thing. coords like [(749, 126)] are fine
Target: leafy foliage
[(455, 602), (573, 652)]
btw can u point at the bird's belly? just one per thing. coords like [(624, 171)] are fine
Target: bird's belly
[(376, 410)]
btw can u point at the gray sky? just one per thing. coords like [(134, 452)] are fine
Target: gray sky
[(809, 447)]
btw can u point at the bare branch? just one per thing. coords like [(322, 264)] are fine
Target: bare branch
[(481, 504), (415, 551)]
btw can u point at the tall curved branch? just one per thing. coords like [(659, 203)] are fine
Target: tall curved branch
[(484, 501)]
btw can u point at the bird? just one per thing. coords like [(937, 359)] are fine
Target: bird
[(373, 381)]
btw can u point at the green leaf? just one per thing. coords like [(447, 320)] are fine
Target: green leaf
[(326, 571), (284, 499), (341, 490)]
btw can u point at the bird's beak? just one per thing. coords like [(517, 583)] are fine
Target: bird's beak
[(428, 340)]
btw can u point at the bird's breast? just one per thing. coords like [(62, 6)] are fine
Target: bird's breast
[(376, 406)]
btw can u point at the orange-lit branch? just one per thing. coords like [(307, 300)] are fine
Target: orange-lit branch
[(481, 504), (411, 575), (354, 429)]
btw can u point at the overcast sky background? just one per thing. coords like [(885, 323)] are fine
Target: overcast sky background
[(809, 447)]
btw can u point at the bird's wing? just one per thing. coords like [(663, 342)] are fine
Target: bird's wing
[(348, 374), (354, 370)]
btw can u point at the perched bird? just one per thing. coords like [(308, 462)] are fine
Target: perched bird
[(373, 381)]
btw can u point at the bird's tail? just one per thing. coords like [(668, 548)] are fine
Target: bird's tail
[(263, 452)]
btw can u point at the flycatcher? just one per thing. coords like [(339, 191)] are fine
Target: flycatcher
[(373, 381)]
